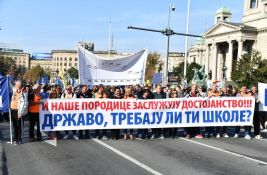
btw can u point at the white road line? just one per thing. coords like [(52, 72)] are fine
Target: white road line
[(225, 151), (147, 168)]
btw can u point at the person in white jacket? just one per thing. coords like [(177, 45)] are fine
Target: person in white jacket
[(22, 110)]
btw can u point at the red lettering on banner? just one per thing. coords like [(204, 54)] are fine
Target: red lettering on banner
[(54, 106), (45, 106)]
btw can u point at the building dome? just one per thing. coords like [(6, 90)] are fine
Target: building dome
[(224, 10), (200, 41)]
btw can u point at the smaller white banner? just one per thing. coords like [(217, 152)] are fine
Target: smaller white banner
[(262, 87)]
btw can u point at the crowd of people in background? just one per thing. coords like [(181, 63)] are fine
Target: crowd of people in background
[(25, 102)]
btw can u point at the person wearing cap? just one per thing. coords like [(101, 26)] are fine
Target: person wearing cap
[(34, 101), (69, 94)]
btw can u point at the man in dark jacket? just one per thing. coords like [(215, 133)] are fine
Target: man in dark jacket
[(159, 94), (85, 93)]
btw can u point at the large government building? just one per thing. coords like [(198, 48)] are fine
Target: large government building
[(226, 41)]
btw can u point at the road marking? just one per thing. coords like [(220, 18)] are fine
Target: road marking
[(225, 151), (147, 168)]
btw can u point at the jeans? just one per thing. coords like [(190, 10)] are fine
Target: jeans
[(222, 128), (247, 130), (143, 133), (34, 119), (17, 124)]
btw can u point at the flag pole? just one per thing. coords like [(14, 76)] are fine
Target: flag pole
[(186, 39), (10, 128), (9, 111)]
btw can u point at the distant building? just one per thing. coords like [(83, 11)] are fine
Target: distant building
[(63, 60), (42, 59), (196, 53), (21, 58), (175, 59)]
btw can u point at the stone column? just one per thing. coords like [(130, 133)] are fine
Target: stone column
[(214, 58), (207, 57), (240, 49), (229, 61), (219, 65)]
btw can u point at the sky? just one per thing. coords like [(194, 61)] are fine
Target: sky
[(43, 25)]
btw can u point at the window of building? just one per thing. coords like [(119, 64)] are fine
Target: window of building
[(60, 58), (218, 19), (65, 64), (75, 64), (65, 58), (70, 59), (70, 64), (265, 8), (76, 59), (15, 58), (253, 4), (60, 64)]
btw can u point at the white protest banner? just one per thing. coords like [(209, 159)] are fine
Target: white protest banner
[(94, 70), (78, 114), (262, 87)]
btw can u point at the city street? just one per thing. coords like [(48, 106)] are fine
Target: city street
[(168, 156)]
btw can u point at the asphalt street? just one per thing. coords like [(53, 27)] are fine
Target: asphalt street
[(131, 157)]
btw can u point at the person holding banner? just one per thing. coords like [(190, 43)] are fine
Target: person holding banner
[(159, 94), (34, 101), (256, 118), (243, 93), (223, 132), (143, 133), (173, 131), (193, 131), (52, 95), (128, 95), (99, 95), (68, 95), (85, 93), (115, 133)]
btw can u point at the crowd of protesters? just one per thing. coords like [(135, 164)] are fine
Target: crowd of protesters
[(25, 102)]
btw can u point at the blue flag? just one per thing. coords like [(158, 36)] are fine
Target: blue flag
[(265, 97), (4, 94)]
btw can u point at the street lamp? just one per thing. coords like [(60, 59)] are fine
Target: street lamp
[(168, 33)]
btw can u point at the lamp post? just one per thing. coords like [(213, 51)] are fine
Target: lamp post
[(168, 33)]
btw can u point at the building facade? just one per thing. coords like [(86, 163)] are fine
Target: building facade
[(226, 41), (175, 59), (22, 59)]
